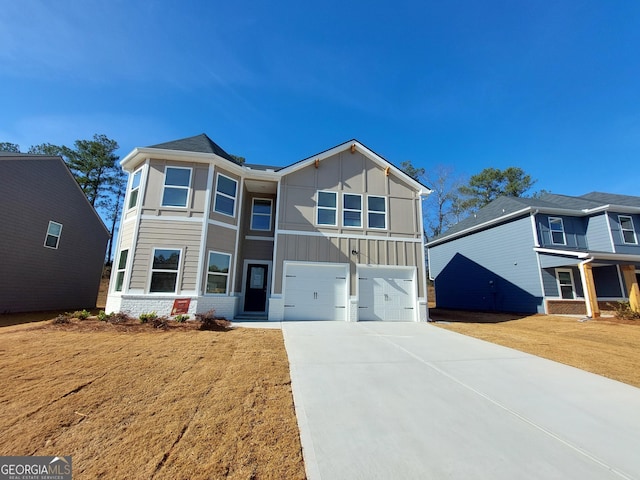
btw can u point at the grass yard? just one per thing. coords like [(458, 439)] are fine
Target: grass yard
[(182, 404), (603, 346)]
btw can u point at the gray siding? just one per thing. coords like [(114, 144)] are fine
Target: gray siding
[(598, 238), (494, 269), (551, 283), (34, 191)]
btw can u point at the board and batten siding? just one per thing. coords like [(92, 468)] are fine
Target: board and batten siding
[(616, 231), (598, 235), (338, 250), (348, 173), (167, 234), (493, 269), (574, 231)]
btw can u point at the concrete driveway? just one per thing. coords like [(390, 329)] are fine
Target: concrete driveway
[(413, 401)]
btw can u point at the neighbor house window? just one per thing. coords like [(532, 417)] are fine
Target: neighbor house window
[(225, 201), (327, 208), (261, 214), (135, 188), (556, 227), (164, 272), (565, 283), (626, 227), (218, 272), (122, 264), (352, 210), (53, 235), (377, 212), (177, 181)]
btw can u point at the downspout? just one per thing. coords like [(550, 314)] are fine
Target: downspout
[(585, 285)]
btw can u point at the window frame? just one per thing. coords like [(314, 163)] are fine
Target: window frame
[(253, 214), (52, 235), (163, 270), (121, 270), (623, 230), (226, 195), (376, 212), (135, 190), (227, 274), (557, 220), (345, 210), (574, 293), (319, 208), (177, 187)]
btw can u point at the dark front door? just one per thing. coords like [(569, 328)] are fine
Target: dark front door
[(255, 292)]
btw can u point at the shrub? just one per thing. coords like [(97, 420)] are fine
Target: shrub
[(211, 322), (102, 316), (181, 318), (81, 314), (119, 317), (623, 311), (145, 317), (61, 319), (160, 322)]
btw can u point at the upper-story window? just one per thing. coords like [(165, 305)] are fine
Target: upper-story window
[(225, 199), (556, 227), (352, 210), (54, 230), (164, 270), (628, 232), (135, 189), (177, 181), (261, 214), (377, 212), (327, 208)]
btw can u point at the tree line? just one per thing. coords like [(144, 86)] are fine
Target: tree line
[(452, 199)]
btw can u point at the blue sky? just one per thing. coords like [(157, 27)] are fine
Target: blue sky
[(552, 87)]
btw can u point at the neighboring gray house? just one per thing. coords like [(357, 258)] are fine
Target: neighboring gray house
[(556, 254), (53, 242), (337, 236)]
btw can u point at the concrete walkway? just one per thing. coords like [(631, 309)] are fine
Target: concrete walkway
[(413, 401)]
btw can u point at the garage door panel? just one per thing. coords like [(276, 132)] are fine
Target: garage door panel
[(315, 292), (387, 294)]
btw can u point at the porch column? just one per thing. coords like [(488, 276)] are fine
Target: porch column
[(591, 299), (630, 280)]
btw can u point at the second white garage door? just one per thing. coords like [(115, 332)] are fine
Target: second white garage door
[(315, 291), (387, 293)]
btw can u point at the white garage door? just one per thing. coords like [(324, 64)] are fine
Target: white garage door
[(315, 291), (387, 293)]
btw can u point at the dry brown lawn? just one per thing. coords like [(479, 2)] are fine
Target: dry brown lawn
[(182, 404), (603, 346)]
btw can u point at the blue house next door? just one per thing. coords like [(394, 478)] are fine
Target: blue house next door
[(255, 297)]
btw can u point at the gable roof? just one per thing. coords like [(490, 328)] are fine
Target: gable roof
[(503, 209), (199, 143)]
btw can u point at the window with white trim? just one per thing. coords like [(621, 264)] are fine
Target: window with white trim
[(351, 210), (556, 231), (52, 239), (177, 181), (135, 189), (261, 214), (566, 287), (164, 270), (377, 212), (225, 199), (122, 265), (627, 230), (327, 208), (218, 272)]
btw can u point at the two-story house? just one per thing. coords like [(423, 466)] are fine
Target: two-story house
[(53, 241), (555, 254), (336, 236)]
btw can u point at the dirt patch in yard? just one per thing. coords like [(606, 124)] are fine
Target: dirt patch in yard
[(607, 346), (150, 404)]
